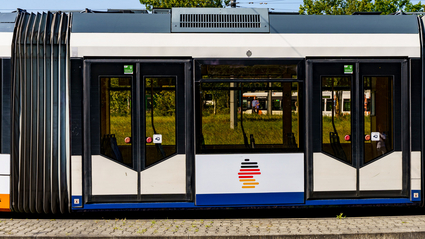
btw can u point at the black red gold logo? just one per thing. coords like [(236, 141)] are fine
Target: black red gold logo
[(247, 172)]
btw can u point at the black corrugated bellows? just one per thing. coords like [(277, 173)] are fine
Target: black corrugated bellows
[(40, 149)]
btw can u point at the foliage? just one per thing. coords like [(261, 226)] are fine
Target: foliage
[(165, 103), (119, 99), (348, 7), (150, 4)]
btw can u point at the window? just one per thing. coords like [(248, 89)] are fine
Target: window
[(336, 124), (347, 105), (160, 104), (239, 119), (115, 119), (248, 72), (378, 126)]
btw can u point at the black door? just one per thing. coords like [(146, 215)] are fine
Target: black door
[(136, 118), (358, 128)]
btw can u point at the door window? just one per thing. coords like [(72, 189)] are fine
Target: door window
[(160, 107), (115, 119), (336, 118), (378, 116)]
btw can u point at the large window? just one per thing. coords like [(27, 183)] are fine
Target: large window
[(248, 117), (248, 107)]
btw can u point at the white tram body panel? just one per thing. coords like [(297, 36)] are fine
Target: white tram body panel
[(280, 178), (5, 43), (237, 45)]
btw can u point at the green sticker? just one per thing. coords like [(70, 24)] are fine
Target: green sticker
[(128, 69), (348, 69)]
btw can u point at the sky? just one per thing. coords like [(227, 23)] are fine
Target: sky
[(43, 5)]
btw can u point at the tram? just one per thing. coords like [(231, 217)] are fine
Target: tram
[(133, 110)]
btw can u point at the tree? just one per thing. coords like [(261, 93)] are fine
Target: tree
[(150, 4), (348, 7)]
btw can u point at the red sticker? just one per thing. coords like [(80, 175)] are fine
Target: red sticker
[(127, 140), (148, 140), (367, 137)]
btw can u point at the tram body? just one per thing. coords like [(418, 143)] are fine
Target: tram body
[(105, 111)]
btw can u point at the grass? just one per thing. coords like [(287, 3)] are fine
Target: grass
[(266, 129), (343, 127), (165, 125)]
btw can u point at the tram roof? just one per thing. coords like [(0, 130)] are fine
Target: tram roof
[(141, 22), (138, 21), (7, 21)]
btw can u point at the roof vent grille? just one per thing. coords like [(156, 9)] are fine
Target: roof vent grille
[(219, 20)]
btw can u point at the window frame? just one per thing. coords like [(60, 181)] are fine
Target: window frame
[(300, 69)]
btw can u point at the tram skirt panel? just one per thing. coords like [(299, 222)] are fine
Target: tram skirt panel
[(40, 151)]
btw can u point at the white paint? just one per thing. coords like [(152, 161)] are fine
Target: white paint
[(74, 51), (330, 174), (383, 174), (77, 176), (4, 164), (167, 177), (415, 164), (415, 184), (415, 170), (198, 45), (6, 44), (111, 178), (218, 173), (4, 184)]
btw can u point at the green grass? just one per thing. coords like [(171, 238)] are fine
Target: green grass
[(265, 129), (216, 128), (121, 127), (343, 127), (165, 125)]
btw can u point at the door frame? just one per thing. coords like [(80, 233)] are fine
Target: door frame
[(188, 124), (404, 126)]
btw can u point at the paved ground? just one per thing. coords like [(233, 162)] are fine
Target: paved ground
[(411, 226)]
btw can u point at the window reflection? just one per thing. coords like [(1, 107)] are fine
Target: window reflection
[(248, 72), (160, 105), (336, 117), (378, 117), (248, 117), (115, 119)]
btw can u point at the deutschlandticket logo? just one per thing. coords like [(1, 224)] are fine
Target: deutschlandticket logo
[(247, 172)]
